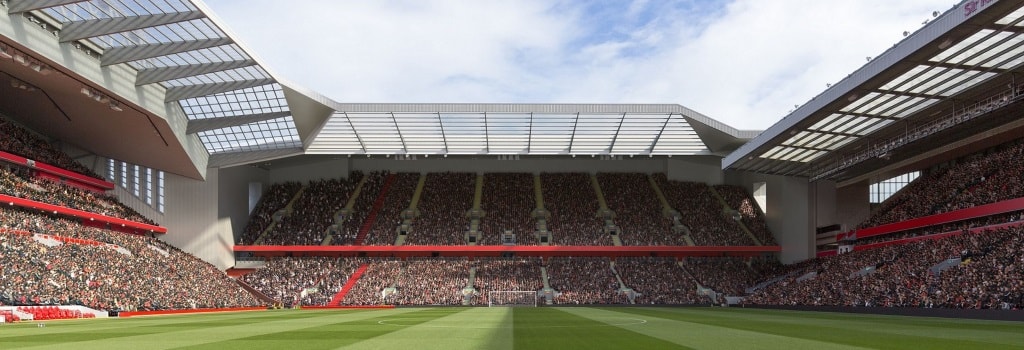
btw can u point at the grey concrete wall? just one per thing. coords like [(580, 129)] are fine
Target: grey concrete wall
[(706, 169), (327, 169), (233, 191), (193, 221), (491, 165), (825, 203), (789, 215), (852, 204)]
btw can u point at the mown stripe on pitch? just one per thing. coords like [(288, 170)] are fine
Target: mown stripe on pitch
[(877, 319), (92, 330), (327, 336), (1000, 332), (84, 330), (703, 336), (475, 328), (835, 331), (552, 328)]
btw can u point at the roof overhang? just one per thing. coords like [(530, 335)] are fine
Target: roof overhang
[(523, 129), (902, 102)]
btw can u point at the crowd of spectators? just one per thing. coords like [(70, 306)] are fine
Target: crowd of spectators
[(993, 220), (638, 214), (727, 275), (750, 213), (17, 140), (657, 280), (508, 201), (389, 217), (443, 205), (380, 274), (702, 213), (583, 280), (18, 182), (301, 281), (368, 193), (506, 274), (118, 272), (276, 198), (572, 202), (432, 281), (988, 277), (982, 178), (313, 213)]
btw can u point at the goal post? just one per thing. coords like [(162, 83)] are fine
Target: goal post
[(511, 298)]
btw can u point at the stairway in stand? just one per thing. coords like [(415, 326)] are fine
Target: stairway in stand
[(336, 300), (377, 204)]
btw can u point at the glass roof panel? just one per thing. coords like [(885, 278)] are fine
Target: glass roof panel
[(799, 139), (551, 133), (421, 132), (264, 135), (962, 46), (224, 53), (869, 128), (786, 154), (848, 123), (988, 57), (678, 138), (256, 100), (508, 132), (464, 132), (239, 74), (960, 83), (838, 142), (913, 106), (910, 78), (378, 132), (1012, 17), (818, 140), (862, 103), (638, 133), (773, 152), (940, 76), (336, 136), (99, 9), (811, 156), (823, 122), (980, 48)]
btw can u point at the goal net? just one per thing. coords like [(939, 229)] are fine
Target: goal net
[(511, 298)]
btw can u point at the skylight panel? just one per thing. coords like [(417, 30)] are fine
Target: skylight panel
[(1013, 17), (911, 78), (961, 46)]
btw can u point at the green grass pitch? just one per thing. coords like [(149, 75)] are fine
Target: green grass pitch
[(517, 328)]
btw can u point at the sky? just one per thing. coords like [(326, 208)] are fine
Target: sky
[(743, 62)]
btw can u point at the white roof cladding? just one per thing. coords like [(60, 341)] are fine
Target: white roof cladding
[(972, 45), (239, 110), (527, 129)]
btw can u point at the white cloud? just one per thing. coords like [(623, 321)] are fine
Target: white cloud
[(744, 62)]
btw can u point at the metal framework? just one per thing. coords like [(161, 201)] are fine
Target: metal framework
[(505, 129), (176, 44), (234, 104), (811, 141)]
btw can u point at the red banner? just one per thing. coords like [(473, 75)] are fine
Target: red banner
[(943, 218), (86, 216), (55, 172)]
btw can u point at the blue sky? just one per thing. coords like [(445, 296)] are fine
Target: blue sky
[(744, 62)]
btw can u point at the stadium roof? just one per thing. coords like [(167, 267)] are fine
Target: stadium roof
[(241, 112), (903, 102), (533, 129)]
